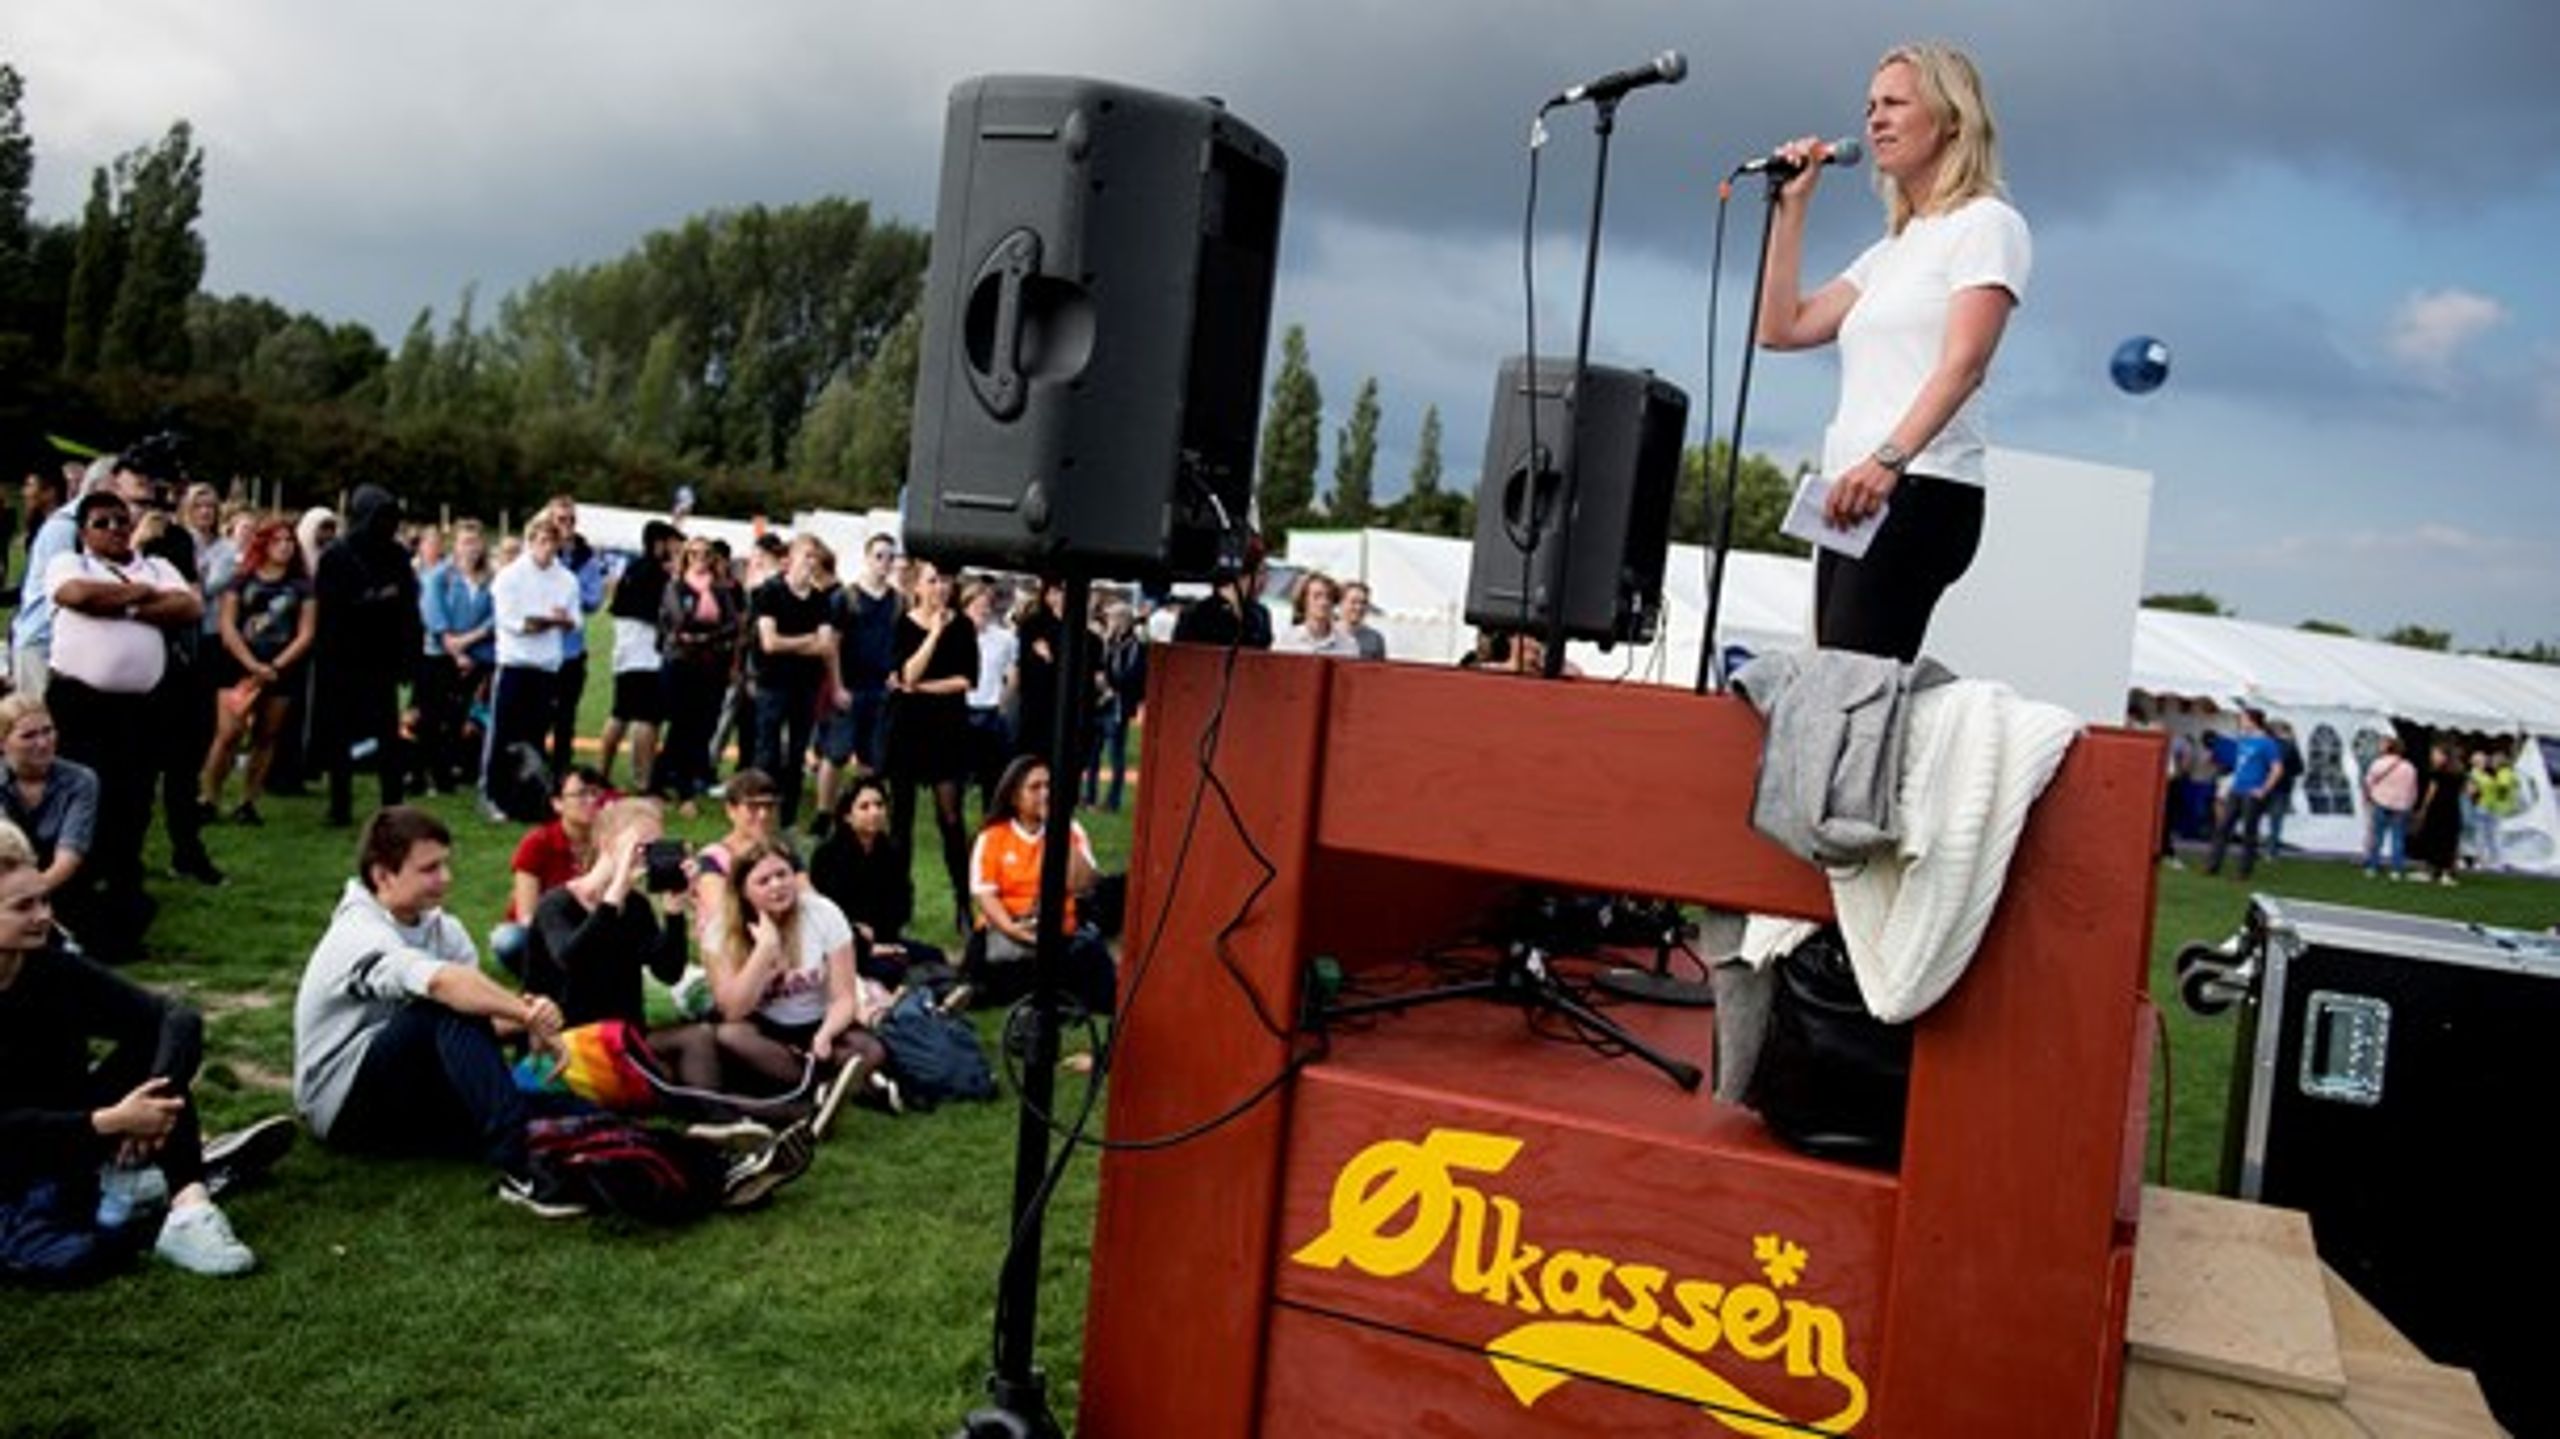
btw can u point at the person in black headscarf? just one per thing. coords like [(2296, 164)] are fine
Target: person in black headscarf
[(369, 635)]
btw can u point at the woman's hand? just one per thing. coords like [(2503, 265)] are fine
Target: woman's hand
[(1807, 154), (1861, 490), (147, 1114)]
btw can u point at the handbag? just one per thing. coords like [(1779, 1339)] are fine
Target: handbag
[(1832, 1079)]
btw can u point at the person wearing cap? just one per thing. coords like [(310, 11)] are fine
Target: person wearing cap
[(148, 476), (112, 609), (1232, 613)]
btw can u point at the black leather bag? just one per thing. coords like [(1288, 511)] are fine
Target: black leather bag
[(1832, 1078)]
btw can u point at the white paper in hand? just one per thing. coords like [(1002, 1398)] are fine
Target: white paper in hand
[(1806, 522)]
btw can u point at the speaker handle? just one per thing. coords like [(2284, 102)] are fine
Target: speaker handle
[(1009, 267)]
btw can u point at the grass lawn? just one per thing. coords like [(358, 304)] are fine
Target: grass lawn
[(400, 1298)]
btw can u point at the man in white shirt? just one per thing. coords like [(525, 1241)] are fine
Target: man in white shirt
[(535, 600), (112, 608)]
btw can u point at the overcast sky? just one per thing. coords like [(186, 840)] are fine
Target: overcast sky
[(2339, 217)]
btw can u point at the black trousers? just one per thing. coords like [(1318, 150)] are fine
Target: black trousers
[(182, 712), (111, 734), (520, 700), (1880, 604), (435, 1082), (567, 688)]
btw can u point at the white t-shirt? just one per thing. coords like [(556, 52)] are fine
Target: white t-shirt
[(997, 650), (798, 995), (635, 646), (1894, 332), (524, 591), (109, 653), (1299, 640)]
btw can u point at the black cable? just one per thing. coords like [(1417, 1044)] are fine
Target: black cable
[(1528, 547), (1707, 560), (2168, 1089)]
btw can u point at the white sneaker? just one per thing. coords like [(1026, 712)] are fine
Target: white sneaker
[(198, 1239), (735, 1134)]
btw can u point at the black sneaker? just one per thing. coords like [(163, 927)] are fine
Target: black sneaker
[(832, 1095), (519, 1191), (244, 1155), (198, 866), (246, 813), (753, 1179)]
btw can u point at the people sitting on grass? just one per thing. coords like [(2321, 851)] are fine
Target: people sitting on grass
[(53, 801), (593, 937), (1004, 885), (82, 1141), (753, 805), (396, 1032), (266, 623), (548, 856), (792, 1003), (863, 870)]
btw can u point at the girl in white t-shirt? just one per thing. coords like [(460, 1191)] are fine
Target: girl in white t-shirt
[(782, 975), (1918, 317)]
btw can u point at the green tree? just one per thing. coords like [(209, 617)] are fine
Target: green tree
[(17, 173), (657, 395), (1291, 431), (1424, 508), (2193, 602), (409, 383), (162, 195), (2324, 627), (884, 416), (97, 266), (293, 364), (1762, 493), (2418, 637), (1425, 477), (1355, 457)]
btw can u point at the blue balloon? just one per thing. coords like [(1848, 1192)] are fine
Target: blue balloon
[(2140, 365)]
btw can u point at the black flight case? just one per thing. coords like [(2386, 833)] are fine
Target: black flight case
[(2398, 1078)]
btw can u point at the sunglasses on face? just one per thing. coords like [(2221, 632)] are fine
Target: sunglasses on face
[(111, 522)]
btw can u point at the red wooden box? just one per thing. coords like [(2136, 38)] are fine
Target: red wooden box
[(1450, 1226)]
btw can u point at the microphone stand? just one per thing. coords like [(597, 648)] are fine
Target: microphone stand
[(1017, 1390), (1604, 123), (1711, 675)]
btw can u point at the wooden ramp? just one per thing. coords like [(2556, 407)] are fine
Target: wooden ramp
[(2238, 1331)]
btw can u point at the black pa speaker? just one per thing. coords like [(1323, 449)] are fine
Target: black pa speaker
[(1626, 427), (1096, 311)]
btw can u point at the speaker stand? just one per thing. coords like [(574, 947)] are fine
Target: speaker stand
[(1711, 675), (1604, 123), (1018, 1393)]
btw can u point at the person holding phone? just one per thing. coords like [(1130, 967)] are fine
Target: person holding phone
[(1918, 316), (626, 914)]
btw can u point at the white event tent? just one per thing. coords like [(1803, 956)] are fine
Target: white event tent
[(2340, 693)]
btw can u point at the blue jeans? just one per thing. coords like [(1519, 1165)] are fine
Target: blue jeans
[(2241, 816), (435, 1082), (1111, 737), (2387, 832)]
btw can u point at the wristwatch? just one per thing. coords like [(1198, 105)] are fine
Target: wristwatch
[(1892, 456)]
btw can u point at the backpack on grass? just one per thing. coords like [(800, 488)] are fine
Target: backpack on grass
[(612, 1165), (934, 1056)]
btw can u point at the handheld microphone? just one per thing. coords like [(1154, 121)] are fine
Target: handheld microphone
[(1668, 68), (1845, 151)]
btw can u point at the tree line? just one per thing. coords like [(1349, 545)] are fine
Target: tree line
[(766, 356)]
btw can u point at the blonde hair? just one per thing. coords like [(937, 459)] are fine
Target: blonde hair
[(619, 817), (737, 939), (16, 707), (1969, 157), (15, 852)]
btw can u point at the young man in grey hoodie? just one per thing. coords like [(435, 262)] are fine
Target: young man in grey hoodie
[(396, 1030)]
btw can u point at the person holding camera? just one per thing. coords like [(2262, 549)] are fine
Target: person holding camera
[(593, 937)]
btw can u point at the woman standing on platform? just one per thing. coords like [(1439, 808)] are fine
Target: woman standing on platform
[(1918, 317), (2435, 840)]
